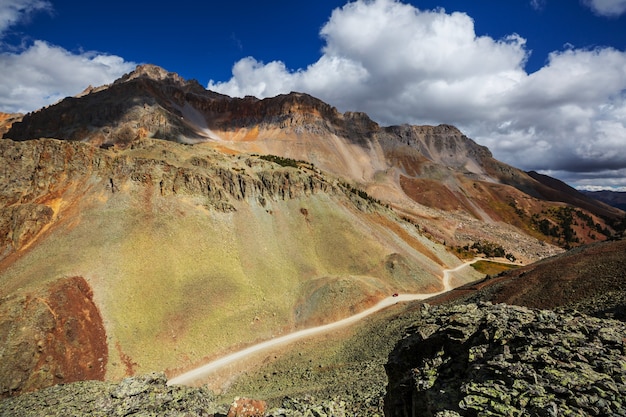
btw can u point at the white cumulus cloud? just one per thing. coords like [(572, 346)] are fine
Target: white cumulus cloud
[(43, 74), (609, 8), (404, 65), (13, 11), (40, 73), (384, 55)]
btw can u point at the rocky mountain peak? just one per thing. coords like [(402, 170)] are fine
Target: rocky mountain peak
[(153, 72), (165, 79), (444, 144)]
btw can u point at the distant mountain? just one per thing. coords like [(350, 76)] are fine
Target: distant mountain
[(195, 223), (612, 198), (569, 195)]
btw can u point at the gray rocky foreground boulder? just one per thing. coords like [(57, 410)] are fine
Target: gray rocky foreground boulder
[(500, 360), (145, 396), (150, 396)]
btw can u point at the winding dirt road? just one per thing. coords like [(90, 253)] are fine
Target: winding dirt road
[(205, 370)]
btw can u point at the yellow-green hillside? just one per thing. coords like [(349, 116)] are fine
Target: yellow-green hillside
[(178, 280)]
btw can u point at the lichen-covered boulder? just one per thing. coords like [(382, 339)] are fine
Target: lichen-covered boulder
[(508, 361), (145, 396)]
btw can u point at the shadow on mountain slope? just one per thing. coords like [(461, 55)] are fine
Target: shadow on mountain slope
[(590, 279)]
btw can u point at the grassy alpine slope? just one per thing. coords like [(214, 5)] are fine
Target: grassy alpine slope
[(178, 280)]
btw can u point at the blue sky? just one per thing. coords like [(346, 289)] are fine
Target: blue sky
[(542, 83)]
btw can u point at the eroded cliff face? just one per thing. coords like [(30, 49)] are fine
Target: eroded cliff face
[(439, 145), (150, 102), (40, 176)]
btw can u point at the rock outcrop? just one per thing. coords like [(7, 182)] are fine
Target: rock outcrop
[(247, 407), (146, 395), (38, 173), (507, 361), (149, 395)]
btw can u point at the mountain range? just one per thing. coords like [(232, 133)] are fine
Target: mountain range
[(151, 224), (612, 198)]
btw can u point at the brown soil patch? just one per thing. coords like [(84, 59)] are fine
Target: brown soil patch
[(404, 235), (430, 193), (575, 276), (129, 365), (51, 336), (79, 329), (409, 160)]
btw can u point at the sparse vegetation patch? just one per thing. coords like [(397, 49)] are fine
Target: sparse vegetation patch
[(358, 192), (560, 224), (488, 249), (286, 162), (492, 268)]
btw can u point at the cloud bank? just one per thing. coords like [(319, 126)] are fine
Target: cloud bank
[(39, 74), (404, 65), (608, 8)]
